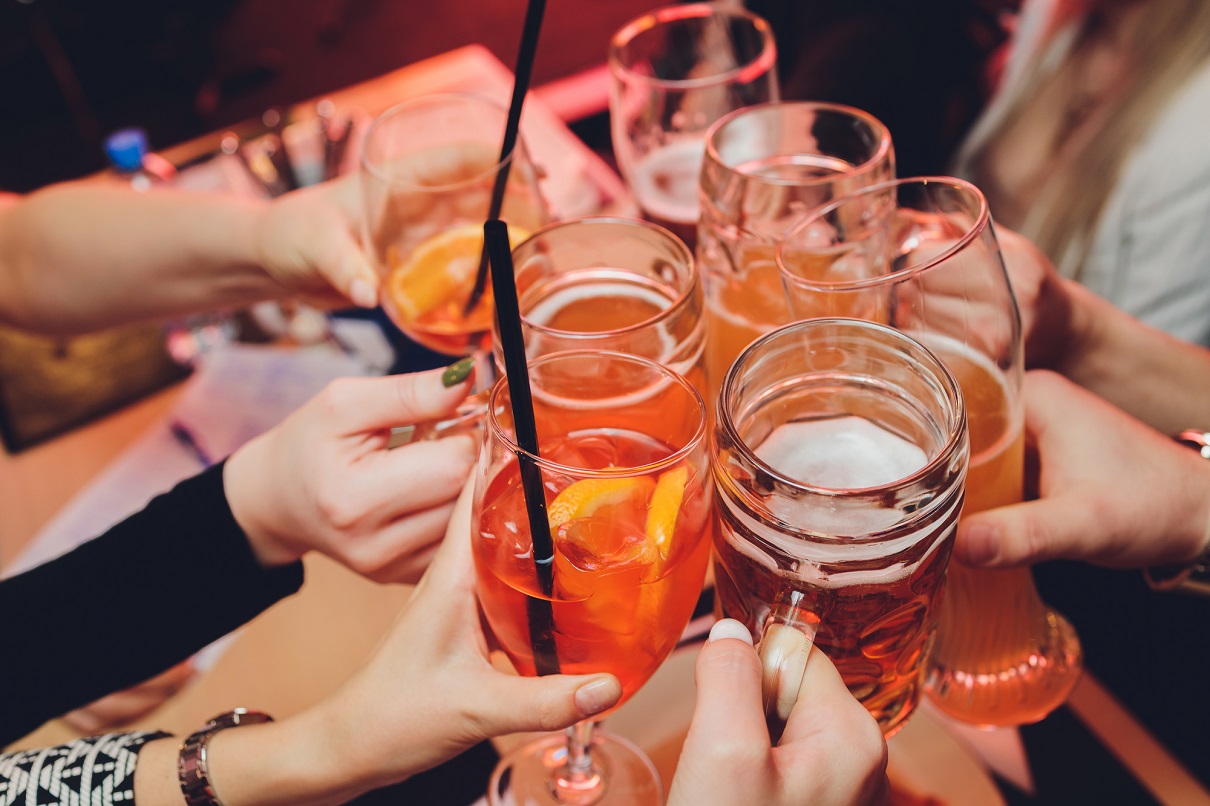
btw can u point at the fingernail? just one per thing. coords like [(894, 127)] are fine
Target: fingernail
[(730, 628), (980, 544), (363, 294), (457, 372), (598, 695)]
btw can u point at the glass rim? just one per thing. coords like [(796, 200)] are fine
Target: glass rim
[(982, 222), (497, 431), (876, 125), (954, 438), (764, 62), (424, 100), (675, 305)]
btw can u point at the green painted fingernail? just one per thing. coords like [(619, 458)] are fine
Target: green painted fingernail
[(457, 372)]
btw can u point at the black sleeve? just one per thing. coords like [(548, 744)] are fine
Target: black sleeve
[(123, 607)]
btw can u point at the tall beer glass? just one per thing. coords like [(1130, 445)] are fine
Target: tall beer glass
[(921, 255), (674, 72), (840, 457), (765, 168)]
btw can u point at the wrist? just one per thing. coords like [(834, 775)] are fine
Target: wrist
[(252, 505)]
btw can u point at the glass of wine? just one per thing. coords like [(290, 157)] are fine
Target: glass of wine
[(921, 255), (625, 472), (674, 72), (427, 170)]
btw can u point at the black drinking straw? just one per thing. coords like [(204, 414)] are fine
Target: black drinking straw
[(521, 73), (512, 345)]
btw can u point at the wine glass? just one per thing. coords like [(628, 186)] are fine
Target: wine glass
[(628, 488), (427, 170), (674, 72), (921, 255), (765, 168)]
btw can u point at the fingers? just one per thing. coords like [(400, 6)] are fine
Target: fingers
[(412, 478), (453, 565), (336, 253), (548, 703), (368, 404), (1027, 533), (401, 551), (728, 712)]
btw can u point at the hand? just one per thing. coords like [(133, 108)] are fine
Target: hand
[(831, 752), (430, 691), (307, 241), (125, 707), (324, 479), (1112, 491), (1047, 309)]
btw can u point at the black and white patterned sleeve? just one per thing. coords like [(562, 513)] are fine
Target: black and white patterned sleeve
[(95, 771)]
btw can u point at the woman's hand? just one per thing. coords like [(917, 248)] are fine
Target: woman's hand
[(1112, 491), (124, 707), (831, 752), (308, 241), (324, 479)]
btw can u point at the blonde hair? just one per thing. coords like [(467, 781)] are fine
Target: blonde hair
[(1166, 44)]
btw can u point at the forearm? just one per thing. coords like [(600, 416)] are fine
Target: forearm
[(1161, 380), (273, 764), (82, 256)]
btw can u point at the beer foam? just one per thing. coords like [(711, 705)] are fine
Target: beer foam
[(840, 453), (665, 181)]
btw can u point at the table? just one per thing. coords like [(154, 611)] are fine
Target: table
[(272, 664)]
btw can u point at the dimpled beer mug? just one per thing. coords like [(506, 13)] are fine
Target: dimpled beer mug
[(765, 168), (841, 452), (921, 256)]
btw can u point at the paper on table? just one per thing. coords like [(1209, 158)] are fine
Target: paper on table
[(236, 393)]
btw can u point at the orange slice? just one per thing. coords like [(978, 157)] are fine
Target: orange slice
[(584, 497), (665, 506), (441, 269)]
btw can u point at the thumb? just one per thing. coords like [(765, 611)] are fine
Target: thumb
[(517, 704), (728, 677), (345, 266), (368, 404), (1027, 533)]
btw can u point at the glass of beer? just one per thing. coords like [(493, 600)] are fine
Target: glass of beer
[(625, 471), (612, 284), (675, 71), (427, 170), (841, 451), (765, 168), (921, 255)]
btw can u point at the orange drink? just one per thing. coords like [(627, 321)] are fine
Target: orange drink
[(427, 169), (921, 255), (627, 492), (765, 168)]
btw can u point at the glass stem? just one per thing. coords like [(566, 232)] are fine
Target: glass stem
[(578, 781)]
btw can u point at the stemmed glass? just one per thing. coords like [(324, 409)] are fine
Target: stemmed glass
[(427, 169), (624, 466), (674, 72), (921, 255), (765, 168)]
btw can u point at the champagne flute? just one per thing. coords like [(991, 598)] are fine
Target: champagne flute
[(625, 470), (921, 255), (674, 72)]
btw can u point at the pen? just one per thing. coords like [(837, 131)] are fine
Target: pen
[(187, 440)]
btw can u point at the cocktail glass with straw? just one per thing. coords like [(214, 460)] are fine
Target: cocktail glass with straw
[(626, 487), (921, 255), (428, 167)]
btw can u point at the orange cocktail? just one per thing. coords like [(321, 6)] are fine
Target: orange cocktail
[(428, 169), (625, 478), (765, 168)]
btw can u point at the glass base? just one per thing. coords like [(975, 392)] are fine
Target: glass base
[(526, 777), (1022, 691)]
